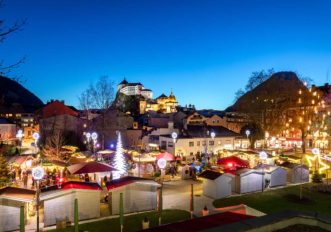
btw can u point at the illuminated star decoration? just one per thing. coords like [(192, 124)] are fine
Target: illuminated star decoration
[(323, 166)]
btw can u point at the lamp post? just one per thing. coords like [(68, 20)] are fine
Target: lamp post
[(263, 156), (174, 137), (212, 135), (36, 137), (20, 135), (38, 174), (248, 132), (92, 136)]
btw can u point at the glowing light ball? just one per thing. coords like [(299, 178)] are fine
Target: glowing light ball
[(174, 135), (94, 136), (212, 134), (162, 163), (315, 151), (35, 136), (263, 155), (38, 173)]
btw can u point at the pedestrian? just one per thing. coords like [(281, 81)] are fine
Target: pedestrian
[(25, 179), (87, 178), (20, 173), (14, 175)]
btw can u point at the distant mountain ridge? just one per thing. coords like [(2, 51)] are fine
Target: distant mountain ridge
[(280, 88), (16, 98)]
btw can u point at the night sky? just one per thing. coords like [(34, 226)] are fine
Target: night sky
[(203, 50)]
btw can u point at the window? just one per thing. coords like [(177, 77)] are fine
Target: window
[(191, 144), (163, 145), (170, 144), (211, 143), (198, 143)]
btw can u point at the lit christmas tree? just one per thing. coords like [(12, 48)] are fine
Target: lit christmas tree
[(119, 161)]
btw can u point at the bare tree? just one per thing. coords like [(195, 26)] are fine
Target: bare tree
[(5, 31), (54, 143), (254, 80), (99, 95)]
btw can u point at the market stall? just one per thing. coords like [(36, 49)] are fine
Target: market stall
[(139, 194), (217, 185)]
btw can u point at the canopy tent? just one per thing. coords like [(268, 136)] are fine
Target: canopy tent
[(232, 163), (165, 155), (90, 167)]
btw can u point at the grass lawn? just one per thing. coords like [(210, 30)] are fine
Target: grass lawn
[(282, 199), (132, 222)]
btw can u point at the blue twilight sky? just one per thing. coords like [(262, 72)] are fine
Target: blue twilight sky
[(203, 50)]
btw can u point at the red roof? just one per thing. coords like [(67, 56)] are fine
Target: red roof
[(73, 185), (56, 108), (90, 167), (167, 156), (81, 185), (202, 223), (232, 163)]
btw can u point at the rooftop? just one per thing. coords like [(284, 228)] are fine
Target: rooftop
[(210, 175)]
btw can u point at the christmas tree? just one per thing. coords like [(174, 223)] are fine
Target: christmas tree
[(4, 172), (119, 161)]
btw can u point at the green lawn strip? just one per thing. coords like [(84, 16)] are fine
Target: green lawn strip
[(282, 199), (133, 222)]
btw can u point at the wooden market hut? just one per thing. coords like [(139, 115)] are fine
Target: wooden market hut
[(11, 199), (273, 175), (217, 185), (248, 180), (58, 201), (296, 173), (139, 194)]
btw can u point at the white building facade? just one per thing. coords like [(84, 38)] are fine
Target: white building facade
[(192, 146)]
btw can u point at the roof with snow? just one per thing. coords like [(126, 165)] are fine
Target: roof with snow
[(20, 194), (126, 181), (73, 185)]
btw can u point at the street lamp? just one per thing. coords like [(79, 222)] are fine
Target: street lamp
[(247, 132), (37, 174), (94, 137), (20, 135), (263, 156), (36, 137), (213, 135)]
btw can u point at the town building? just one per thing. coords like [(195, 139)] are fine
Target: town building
[(131, 89), (196, 140), (7, 131), (163, 103), (231, 120)]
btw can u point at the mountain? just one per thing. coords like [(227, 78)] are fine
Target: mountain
[(280, 89), (15, 98)]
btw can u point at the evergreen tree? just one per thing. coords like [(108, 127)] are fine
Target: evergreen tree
[(119, 161), (4, 172)]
